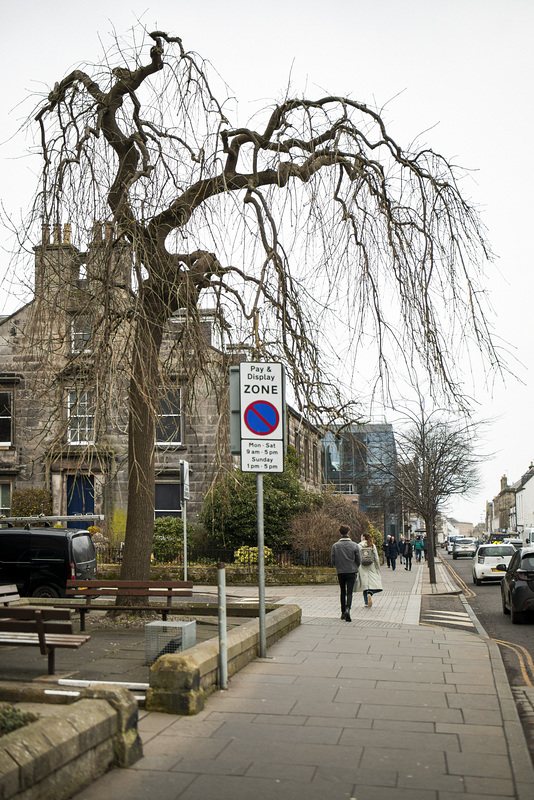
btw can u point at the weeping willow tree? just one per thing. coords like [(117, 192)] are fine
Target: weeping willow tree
[(306, 228)]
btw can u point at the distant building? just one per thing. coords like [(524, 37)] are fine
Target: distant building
[(524, 504), (360, 460), (503, 503), (456, 528)]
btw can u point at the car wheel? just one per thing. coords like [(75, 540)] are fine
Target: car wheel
[(517, 617), (454, 557), (46, 590), (505, 609), (477, 581)]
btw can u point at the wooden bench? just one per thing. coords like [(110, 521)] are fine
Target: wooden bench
[(9, 594), (46, 627), (91, 590)]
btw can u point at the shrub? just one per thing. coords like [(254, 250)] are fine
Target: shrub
[(230, 513), (168, 540), (318, 529), (249, 555), (117, 526), (31, 502), (12, 718), (94, 529)]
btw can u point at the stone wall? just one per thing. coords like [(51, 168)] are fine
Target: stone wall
[(70, 746)]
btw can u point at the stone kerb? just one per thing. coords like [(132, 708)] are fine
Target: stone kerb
[(180, 683)]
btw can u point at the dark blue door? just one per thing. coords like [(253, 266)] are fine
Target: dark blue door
[(80, 497)]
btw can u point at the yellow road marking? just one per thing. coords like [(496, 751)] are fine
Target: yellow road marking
[(526, 663)]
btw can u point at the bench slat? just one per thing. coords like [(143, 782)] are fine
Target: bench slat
[(122, 592), (47, 628), (132, 584), (29, 612), (52, 640), (9, 594)]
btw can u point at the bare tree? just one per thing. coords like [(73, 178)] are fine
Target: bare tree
[(436, 460), (313, 211)]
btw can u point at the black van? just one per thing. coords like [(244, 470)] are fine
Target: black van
[(41, 560)]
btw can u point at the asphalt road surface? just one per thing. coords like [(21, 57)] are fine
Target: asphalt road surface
[(516, 642)]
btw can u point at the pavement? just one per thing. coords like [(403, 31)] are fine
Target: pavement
[(381, 708)]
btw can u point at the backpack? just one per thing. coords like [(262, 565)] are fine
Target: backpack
[(367, 556)]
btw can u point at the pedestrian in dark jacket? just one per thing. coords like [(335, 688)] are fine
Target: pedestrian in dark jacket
[(408, 553), (393, 552), (385, 548), (345, 556), (425, 547), (400, 545)]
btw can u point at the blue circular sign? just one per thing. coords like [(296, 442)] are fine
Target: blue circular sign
[(261, 418)]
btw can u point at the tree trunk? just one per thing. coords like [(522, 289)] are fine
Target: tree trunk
[(141, 438)]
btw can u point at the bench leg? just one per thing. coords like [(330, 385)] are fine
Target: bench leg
[(51, 660), (82, 619)]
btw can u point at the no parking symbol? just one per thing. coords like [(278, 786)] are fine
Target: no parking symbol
[(261, 418)]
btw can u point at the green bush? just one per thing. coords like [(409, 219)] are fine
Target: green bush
[(249, 555), (31, 502), (12, 718), (168, 542), (230, 515)]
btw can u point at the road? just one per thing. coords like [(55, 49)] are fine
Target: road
[(516, 642)]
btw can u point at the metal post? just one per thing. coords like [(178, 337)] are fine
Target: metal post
[(185, 538), (261, 566), (223, 658)]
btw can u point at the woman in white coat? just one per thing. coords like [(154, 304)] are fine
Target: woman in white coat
[(369, 578)]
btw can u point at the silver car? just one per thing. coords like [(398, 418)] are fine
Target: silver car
[(464, 547)]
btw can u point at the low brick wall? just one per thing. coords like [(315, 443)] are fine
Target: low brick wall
[(180, 683), (64, 751)]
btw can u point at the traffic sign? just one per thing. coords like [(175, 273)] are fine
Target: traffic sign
[(262, 417), (261, 389)]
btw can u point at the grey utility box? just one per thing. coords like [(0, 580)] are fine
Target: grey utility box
[(168, 637)]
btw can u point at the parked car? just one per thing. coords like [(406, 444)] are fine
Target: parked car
[(450, 543), (517, 585), (41, 560), (517, 543), (486, 560), (463, 546)]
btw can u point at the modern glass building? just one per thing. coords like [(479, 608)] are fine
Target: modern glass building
[(361, 460)]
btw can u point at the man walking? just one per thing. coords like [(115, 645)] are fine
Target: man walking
[(345, 557), (393, 551), (418, 547)]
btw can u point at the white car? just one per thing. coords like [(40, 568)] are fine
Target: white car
[(486, 559)]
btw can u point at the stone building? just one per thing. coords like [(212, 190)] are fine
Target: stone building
[(63, 409), (503, 503)]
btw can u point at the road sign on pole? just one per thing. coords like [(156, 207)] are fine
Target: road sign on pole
[(262, 416)]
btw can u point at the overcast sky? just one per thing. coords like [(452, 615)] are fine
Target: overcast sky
[(456, 74)]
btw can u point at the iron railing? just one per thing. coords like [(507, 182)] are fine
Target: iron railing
[(213, 556)]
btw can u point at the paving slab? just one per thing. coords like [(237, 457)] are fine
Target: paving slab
[(379, 709)]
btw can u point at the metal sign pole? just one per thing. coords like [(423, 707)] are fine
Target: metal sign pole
[(185, 539), (261, 566), (185, 496)]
